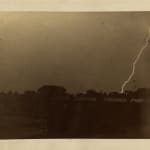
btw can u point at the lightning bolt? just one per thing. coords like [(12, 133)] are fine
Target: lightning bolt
[(135, 62)]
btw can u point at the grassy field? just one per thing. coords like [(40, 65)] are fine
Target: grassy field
[(22, 127)]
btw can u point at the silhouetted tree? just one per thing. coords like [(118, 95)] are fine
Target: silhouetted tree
[(52, 90), (91, 93)]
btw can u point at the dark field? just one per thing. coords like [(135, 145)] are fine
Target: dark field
[(51, 112)]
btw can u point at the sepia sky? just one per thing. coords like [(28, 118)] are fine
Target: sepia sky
[(79, 51)]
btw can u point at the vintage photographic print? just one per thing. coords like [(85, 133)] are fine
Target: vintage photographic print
[(74, 75)]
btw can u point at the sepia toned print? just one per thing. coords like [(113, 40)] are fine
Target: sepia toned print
[(74, 75)]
